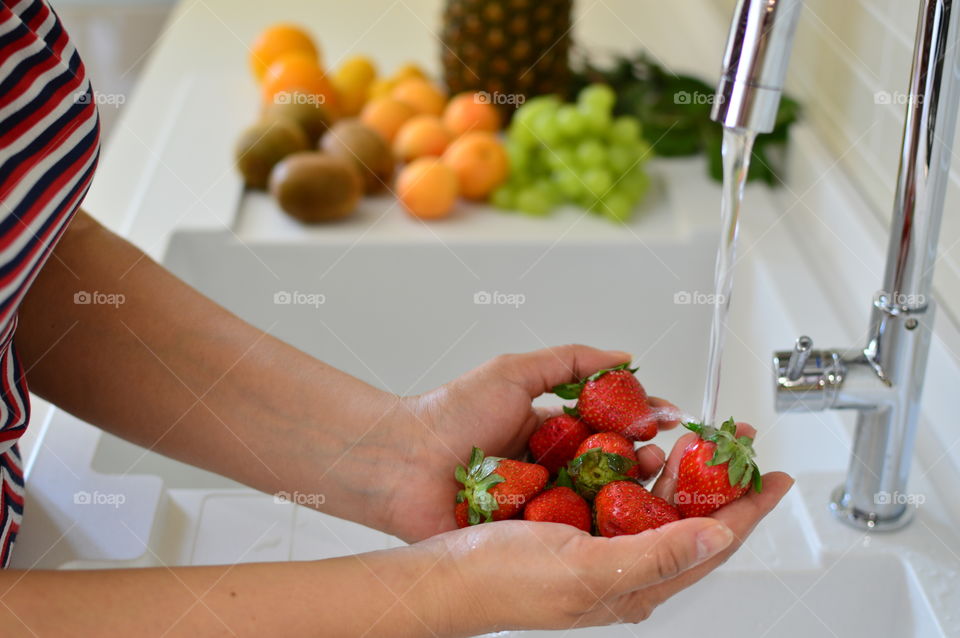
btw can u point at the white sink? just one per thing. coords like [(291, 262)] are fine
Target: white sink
[(399, 311)]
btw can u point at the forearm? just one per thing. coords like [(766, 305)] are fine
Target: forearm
[(394, 593), (172, 371)]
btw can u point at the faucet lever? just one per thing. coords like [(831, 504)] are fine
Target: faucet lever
[(798, 358)]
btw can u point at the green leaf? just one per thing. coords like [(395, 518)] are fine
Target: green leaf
[(729, 426), (563, 479), (757, 479), (460, 474), (487, 482), (571, 411), (487, 467), (735, 469), (599, 373), (748, 473), (694, 427), (568, 390), (473, 517), (476, 457), (485, 502)]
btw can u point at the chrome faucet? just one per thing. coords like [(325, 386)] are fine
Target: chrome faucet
[(883, 380)]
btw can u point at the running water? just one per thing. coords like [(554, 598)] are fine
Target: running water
[(737, 144)]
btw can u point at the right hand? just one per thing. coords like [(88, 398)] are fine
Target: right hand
[(524, 575)]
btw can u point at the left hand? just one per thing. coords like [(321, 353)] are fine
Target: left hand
[(489, 407)]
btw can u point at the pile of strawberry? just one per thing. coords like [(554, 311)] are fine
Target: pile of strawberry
[(586, 472)]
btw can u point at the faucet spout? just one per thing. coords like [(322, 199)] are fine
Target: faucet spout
[(883, 380), (755, 64)]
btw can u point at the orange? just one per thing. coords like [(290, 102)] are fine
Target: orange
[(480, 162), (421, 136), (279, 40), (385, 116), (427, 188), (423, 96), (409, 70), (469, 112), (296, 76), (352, 81)]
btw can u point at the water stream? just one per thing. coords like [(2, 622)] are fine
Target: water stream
[(737, 145)]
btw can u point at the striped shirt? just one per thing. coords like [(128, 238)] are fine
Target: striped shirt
[(49, 145)]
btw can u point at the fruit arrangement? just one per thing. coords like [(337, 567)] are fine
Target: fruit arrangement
[(575, 153), (327, 138), (324, 140), (584, 471)]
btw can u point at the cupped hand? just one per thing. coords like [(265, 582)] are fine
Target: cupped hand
[(524, 575), (489, 407)]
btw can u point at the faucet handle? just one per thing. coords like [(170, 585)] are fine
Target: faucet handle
[(798, 358)]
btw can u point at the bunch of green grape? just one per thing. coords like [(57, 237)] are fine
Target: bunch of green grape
[(574, 153)]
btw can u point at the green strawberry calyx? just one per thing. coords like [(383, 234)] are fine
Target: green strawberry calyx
[(571, 391), (736, 451), (477, 478), (595, 468)]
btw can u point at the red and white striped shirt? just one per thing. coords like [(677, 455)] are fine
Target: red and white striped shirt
[(49, 145)]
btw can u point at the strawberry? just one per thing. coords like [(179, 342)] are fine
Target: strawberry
[(612, 401), (602, 458), (497, 489), (715, 469), (462, 513), (623, 507), (554, 443), (559, 505)]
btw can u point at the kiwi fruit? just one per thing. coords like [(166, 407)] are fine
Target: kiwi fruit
[(264, 144), (364, 147), (312, 117), (316, 187)]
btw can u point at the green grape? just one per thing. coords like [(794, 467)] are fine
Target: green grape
[(503, 197), (571, 121), (621, 158), (521, 157), (535, 200), (544, 127), (559, 158), (532, 108), (599, 96), (568, 183), (635, 183), (624, 129), (597, 181), (617, 205), (591, 154), (521, 134), (597, 121)]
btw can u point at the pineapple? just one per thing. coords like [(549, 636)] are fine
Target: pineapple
[(508, 48)]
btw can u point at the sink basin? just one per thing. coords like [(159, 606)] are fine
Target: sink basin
[(407, 308), (830, 601)]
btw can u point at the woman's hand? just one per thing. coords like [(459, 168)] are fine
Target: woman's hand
[(489, 407), (523, 575)]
